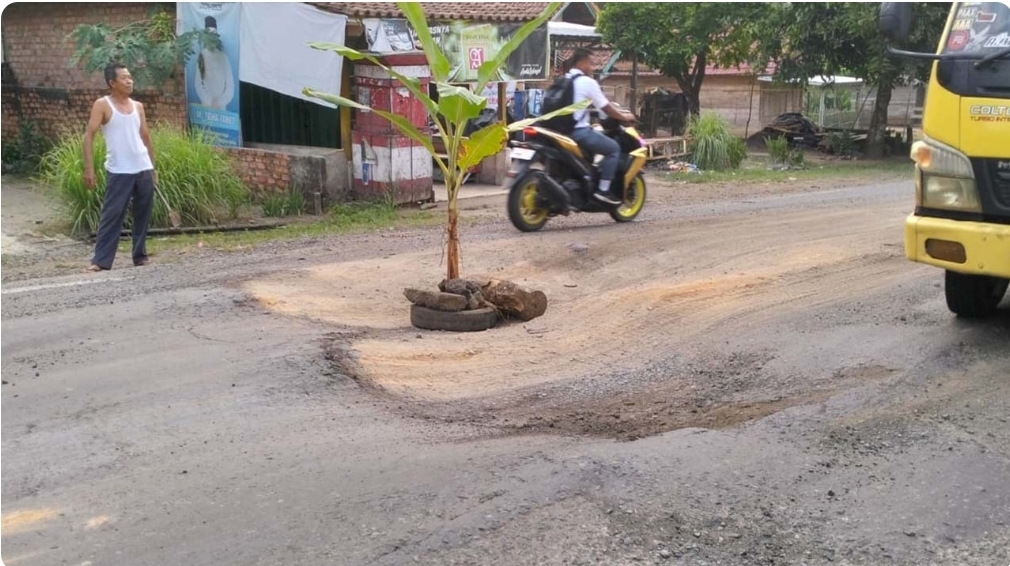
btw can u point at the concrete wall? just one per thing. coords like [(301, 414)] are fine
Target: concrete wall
[(305, 169)]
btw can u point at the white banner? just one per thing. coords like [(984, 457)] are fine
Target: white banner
[(276, 57)]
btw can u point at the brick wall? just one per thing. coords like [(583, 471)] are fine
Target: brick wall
[(262, 171), (53, 111), (49, 91)]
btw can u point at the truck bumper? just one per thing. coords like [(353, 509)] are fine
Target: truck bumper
[(965, 247)]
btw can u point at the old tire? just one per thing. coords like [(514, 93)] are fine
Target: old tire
[(973, 296), (460, 321)]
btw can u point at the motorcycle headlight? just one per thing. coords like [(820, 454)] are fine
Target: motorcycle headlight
[(945, 178)]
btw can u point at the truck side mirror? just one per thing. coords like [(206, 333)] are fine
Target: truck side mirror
[(895, 21)]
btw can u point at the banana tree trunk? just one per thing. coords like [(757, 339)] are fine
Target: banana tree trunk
[(452, 253)]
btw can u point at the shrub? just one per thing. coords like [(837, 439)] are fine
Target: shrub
[(195, 178), (24, 153), (796, 159), (713, 147), (737, 152), (778, 150), (276, 206), (842, 143)]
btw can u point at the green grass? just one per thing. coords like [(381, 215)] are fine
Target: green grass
[(351, 218), (756, 170), (281, 205)]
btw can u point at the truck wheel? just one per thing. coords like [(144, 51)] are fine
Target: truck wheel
[(973, 296)]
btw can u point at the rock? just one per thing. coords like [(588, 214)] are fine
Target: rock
[(446, 302), (469, 289), (514, 300), (665, 553)]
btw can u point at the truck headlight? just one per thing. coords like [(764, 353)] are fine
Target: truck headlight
[(945, 178)]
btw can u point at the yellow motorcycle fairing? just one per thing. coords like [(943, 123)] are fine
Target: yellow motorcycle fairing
[(564, 142)]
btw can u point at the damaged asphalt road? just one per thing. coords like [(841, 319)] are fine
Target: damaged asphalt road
[(832, 412)]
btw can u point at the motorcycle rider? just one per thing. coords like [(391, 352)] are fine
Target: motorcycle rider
[(585, 87)]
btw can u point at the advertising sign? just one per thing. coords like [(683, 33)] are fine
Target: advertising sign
[(212, 76), (467, 45)]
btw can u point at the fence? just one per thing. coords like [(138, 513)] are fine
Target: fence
[(750, 106)]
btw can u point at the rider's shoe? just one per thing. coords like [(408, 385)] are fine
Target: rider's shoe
[(607, 197)]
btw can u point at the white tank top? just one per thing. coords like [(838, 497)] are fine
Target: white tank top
[(125, 152)]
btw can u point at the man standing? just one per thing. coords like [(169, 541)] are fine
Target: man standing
[(129, 166), (586, 88)]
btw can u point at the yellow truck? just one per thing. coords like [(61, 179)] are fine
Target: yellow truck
[(961, 221)]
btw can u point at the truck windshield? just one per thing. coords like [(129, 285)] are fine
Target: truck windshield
[(979, 38), (979, 28)]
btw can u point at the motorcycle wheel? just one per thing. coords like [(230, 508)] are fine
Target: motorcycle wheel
[(634, 200), (523, 210)]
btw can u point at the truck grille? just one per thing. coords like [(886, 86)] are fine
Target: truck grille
[(1000, 181)]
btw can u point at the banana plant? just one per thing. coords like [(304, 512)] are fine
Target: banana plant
[(455, 107)]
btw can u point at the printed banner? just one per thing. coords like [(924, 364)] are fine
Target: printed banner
[(468, 45), (212, 81)]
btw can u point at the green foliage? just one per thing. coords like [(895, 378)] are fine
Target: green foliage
[(713, 147), (679, 39), (364, 213), (737, 152), (23, 153), (149, 48), (280, 205), (841, 38), (778, 149), (196, 180), (781, 156), (842, 143)]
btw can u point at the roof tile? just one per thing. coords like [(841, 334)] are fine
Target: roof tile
[(443, 11)]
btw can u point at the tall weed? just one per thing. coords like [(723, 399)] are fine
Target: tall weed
[(194, 178), (278, 205), (781, 156), (778, 149), (713, 146)]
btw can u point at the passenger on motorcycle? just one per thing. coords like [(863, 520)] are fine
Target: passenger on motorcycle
[(585, 87)]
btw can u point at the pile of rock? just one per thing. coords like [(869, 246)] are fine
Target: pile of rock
[(468, 305)]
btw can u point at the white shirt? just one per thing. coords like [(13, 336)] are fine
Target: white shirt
[(586, 90), (125, 152)]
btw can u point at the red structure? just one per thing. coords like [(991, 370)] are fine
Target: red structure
[(385, 162)]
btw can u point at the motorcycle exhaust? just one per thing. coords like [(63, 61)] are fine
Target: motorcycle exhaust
[(555, 192)]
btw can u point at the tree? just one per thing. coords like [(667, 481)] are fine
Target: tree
[(455, 107), (811, 39), (149, 48), (681, 39)]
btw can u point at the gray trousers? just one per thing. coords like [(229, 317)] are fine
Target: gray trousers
[(599, 144), (119, 189)]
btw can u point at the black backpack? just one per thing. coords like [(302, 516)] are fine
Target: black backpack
[(560, 94)]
